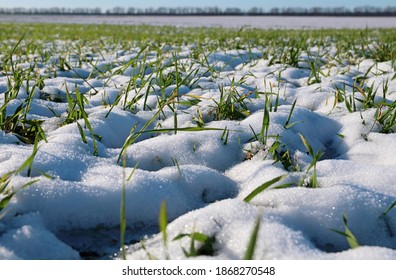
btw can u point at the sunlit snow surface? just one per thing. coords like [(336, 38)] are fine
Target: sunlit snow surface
[(202, 175)]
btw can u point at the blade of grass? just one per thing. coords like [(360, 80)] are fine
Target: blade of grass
[(123, 211), (263, 187), (253, 240), (163, 223), (351, 239), (307, 146), (388, 209)]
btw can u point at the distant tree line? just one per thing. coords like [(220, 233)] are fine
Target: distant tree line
[(257, 11)]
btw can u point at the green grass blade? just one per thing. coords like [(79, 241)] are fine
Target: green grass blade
[(307, 145), (253, 240), (29, 161), (290, 115), (83, 138), (5, 200), (263, 187), (388, 209), (123, 212), (163, 223), (265, 123), (133, 171), (80, 103), (284, 186), (352, 241), (313, 180)]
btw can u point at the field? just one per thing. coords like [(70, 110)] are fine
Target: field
[(262, 22), (196, 143)]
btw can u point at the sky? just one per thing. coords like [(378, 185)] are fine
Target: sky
[(245, 4)]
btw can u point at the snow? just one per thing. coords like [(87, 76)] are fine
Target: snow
[(28, 238), (202, 175), (95, 199), (288, 231)]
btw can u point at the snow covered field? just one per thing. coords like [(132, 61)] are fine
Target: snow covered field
[(294, 132), (265, 22)]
